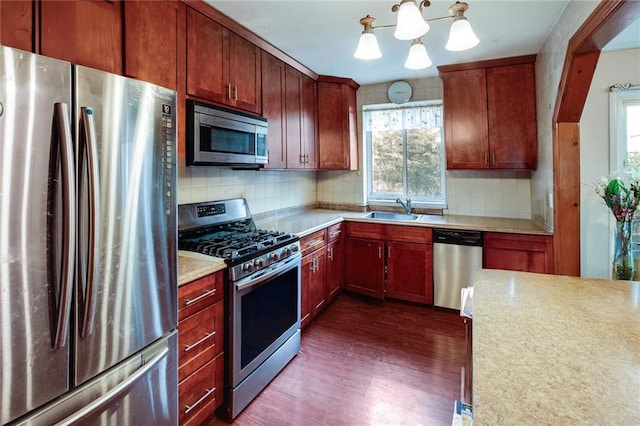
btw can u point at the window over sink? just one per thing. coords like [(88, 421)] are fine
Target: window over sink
[(405, 153)]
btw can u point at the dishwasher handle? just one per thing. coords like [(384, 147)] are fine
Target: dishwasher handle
[(458, 237)]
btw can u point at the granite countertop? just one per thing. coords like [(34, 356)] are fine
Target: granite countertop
[(551, 349), (192, 266), (309, 221)]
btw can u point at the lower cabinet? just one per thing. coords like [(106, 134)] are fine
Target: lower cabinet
[(392, 261), (518, 252), (335, 261), (200, 349)]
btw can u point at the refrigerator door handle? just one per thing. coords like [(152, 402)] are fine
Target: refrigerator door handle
[(115, 392), (88, 140), (65, 144)]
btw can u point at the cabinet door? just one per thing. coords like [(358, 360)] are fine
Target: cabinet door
[(293, 118), (319, 282), (337, 126), (306, 277), (410, 272), (244, 74), (335, 268), (16, 24), (465, 119), (365, 267), (516, 252), (83, 32), (273, 108), (207, 76), (151, 41), (511, 99), (309, 142)]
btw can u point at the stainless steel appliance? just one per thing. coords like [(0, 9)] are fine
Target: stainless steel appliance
[(224, 137), (262, 293), (457, 256), (88, 277)]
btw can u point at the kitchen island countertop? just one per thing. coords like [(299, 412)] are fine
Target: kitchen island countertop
[(553, 349)]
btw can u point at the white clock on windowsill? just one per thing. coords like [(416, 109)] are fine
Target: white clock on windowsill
[(399, 92)]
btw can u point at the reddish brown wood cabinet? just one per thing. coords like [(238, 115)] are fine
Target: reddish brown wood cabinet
[(337, 124), (365, 259), (222, 67), (490, 114), (313, 293), (335, 261), (83, 32), (200, 349), (151, 41), (409, 263), (273, 109), (517, 252), (300, 118), (16, 24)]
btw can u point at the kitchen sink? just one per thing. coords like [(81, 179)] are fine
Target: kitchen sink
[(392, 216)]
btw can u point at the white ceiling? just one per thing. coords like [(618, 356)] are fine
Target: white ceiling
[(323, 34)]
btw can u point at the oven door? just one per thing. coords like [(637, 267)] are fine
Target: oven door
[(265, 313)]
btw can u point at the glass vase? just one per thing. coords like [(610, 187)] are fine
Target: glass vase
[(623, 253)]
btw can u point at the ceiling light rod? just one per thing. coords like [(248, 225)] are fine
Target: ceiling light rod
[(411, 25)]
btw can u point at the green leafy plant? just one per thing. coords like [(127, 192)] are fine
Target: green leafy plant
[(620, 195)]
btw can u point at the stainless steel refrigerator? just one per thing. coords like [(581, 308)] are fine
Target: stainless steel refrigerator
[(88, 276)]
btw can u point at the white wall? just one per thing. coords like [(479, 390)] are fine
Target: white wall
[(549, 64), (596, 224)]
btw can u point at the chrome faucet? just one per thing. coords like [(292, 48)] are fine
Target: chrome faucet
[(406, 206)]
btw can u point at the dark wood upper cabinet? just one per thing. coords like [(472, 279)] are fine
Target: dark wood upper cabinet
[(490, 114), (337, 124), (222, 67), (16, 24), (151, 41), (273, 79), (83, 32)]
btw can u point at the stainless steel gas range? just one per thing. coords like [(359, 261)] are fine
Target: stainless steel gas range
[(262, 293)]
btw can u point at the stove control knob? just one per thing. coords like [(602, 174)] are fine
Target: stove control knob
[(247, 267), (258, 263), (294, 248), (286, 252), (273, 256)]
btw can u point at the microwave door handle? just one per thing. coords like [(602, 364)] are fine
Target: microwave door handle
[(62, 132), (88, 139)]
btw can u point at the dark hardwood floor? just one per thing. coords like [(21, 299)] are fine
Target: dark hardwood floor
[(364, 362)]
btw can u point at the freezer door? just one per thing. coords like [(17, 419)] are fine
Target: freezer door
[(36, 230), (127, 255), (140, 391)]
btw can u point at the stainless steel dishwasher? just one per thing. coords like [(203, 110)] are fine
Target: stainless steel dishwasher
[(457, 255)]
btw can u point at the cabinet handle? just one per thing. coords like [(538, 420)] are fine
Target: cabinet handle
[(486, 158), (335, 233), (493, 158), (235, 93), (199, 342), (389, 252), (379, 252), (314, 243), (188, 408), (199, 298), (301, 158), (346, 160), (330, 253), (229, 91)]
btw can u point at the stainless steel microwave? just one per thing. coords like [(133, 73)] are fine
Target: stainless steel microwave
[(218, 136)]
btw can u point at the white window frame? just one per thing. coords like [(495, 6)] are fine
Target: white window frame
[(619, 96), (380, 200)]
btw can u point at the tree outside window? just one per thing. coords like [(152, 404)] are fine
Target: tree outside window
[(406, 153)]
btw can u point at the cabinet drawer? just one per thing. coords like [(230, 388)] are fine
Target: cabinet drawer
[(201, 393), (365, 230), (200, 339), (313, 242), (409, 234), (334, 232), (198, 294)]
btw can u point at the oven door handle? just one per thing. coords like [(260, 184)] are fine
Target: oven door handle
[(268, 273)]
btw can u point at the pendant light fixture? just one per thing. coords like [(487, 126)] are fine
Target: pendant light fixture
[(412, 26)]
